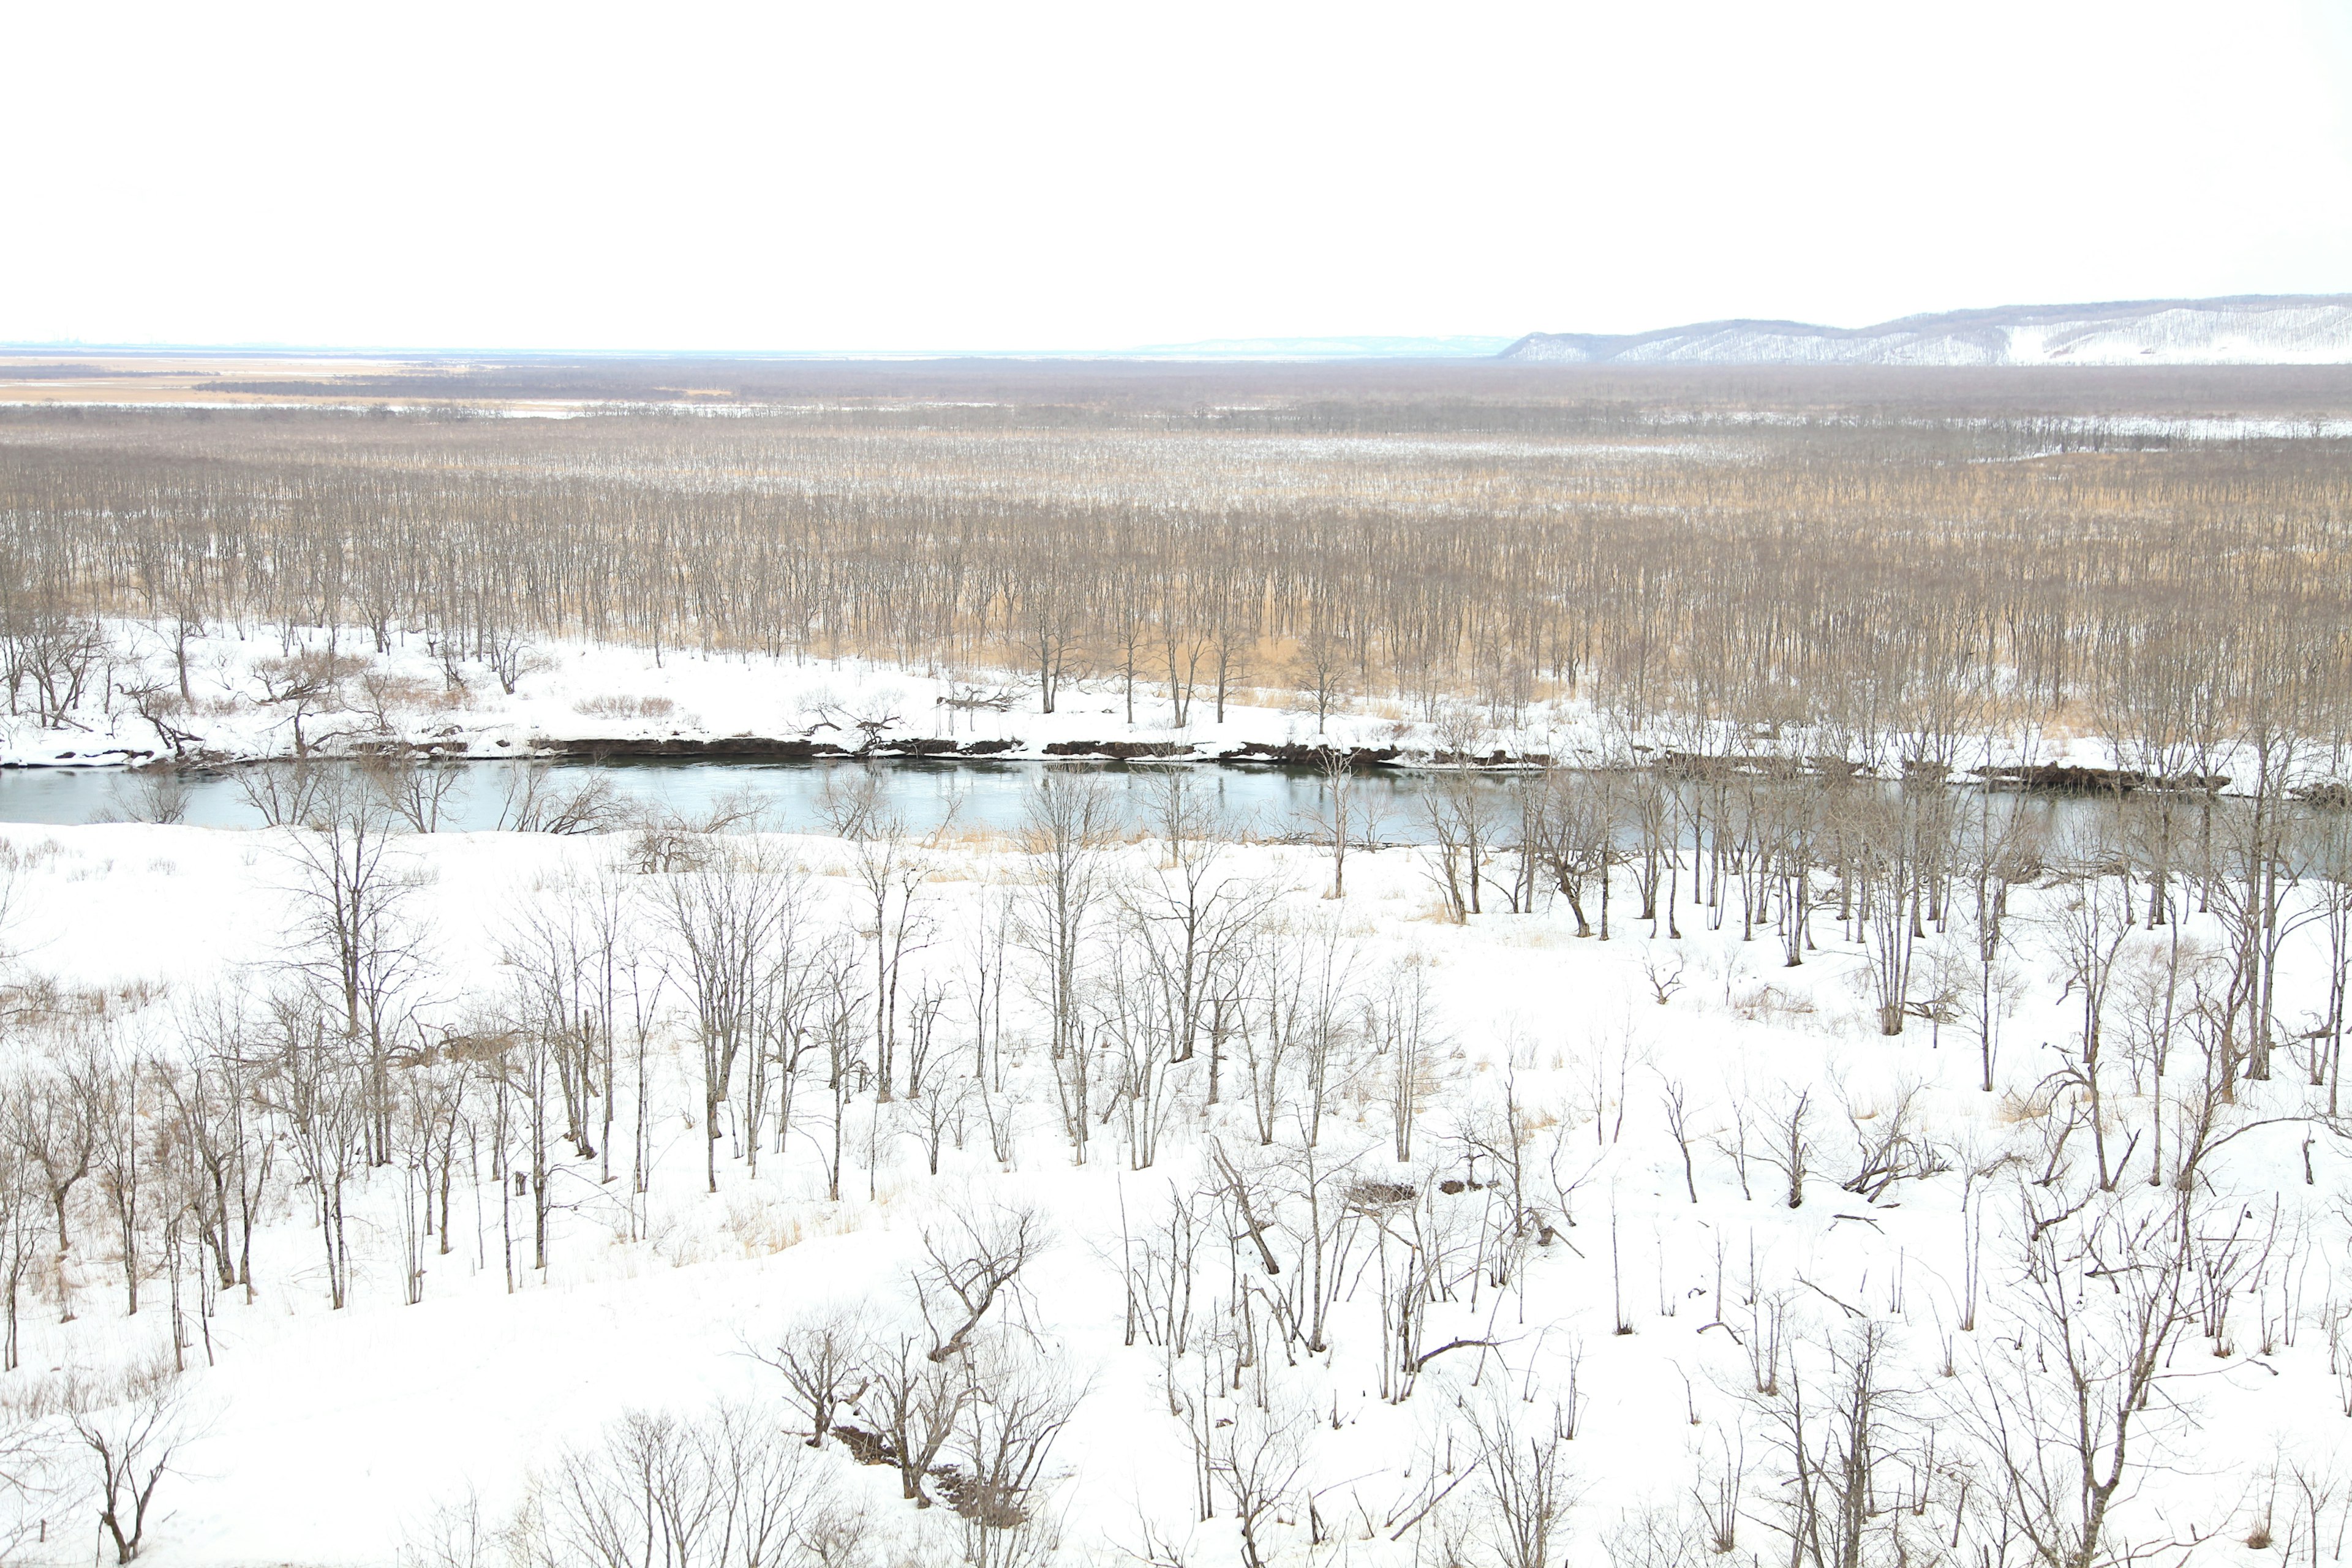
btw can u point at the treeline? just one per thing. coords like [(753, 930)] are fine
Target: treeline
[(1858, 574), (1375, 397)]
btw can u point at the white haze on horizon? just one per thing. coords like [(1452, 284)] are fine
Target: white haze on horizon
[(1040, 176)]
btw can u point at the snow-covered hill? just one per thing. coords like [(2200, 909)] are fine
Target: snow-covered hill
[(2248, 329)]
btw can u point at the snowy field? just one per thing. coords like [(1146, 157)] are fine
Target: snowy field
[(1338, 1232)]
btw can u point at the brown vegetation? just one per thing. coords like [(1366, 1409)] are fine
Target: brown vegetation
[(1769, 547)]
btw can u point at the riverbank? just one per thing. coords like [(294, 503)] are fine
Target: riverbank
[(152, 696)]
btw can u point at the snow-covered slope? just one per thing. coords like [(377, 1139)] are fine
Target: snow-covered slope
[(2250, 329)]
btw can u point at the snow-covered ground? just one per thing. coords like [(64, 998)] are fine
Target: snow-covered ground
[(264, 694), (2294, 329), (1630, 1311), (248, 693)]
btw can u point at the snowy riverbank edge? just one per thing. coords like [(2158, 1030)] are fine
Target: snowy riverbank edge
[(224, 699)]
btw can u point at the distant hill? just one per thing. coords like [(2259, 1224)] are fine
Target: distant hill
[(2245, 328)]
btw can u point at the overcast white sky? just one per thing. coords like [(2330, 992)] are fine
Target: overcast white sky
[(859, 175)]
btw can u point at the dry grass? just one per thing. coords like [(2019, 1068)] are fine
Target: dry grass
[(2015, 1108), (763, 1228), (1765, 1004), (64, 379), (617, 706), (406, 694), (978, 840)]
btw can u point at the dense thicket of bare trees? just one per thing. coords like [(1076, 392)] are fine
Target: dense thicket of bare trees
[(1876, 574), (1315, 1165), (1311, 1188)]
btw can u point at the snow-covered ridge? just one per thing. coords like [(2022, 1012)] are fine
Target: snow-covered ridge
[(2247, 329)]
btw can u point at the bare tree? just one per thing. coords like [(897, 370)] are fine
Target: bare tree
[(1572, 841), (725, 919), (975, 1260), (353, 935), (1065, 828), (1257, 1455), (53, 1125), (1857, 1454), (913, 1402), (305, 685), (22, 1198), (131, 1427), (1892, 1143), (1322, 673), (892, 872), (713, 1491), (1524, 1479), (2062, 1411), (1192, 911), (224, 1128), (1404, 1034), (315, 1080), (1339, 769), (1789, 1149), (283, 795), (119, 1111), (418, 793), (822, 1361), (1018, 1408)]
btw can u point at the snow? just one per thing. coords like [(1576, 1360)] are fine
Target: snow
[(578, 691), (2254, 330), (587, 691), (328, 1435), (330, 1432)]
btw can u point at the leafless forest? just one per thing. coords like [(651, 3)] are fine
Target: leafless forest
[(1870, 554), (1741, 1143)]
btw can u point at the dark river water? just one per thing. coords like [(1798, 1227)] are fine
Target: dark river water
[(790, 797), (802, 798)]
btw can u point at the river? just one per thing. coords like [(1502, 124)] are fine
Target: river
[(790, 797), (798, 796)]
